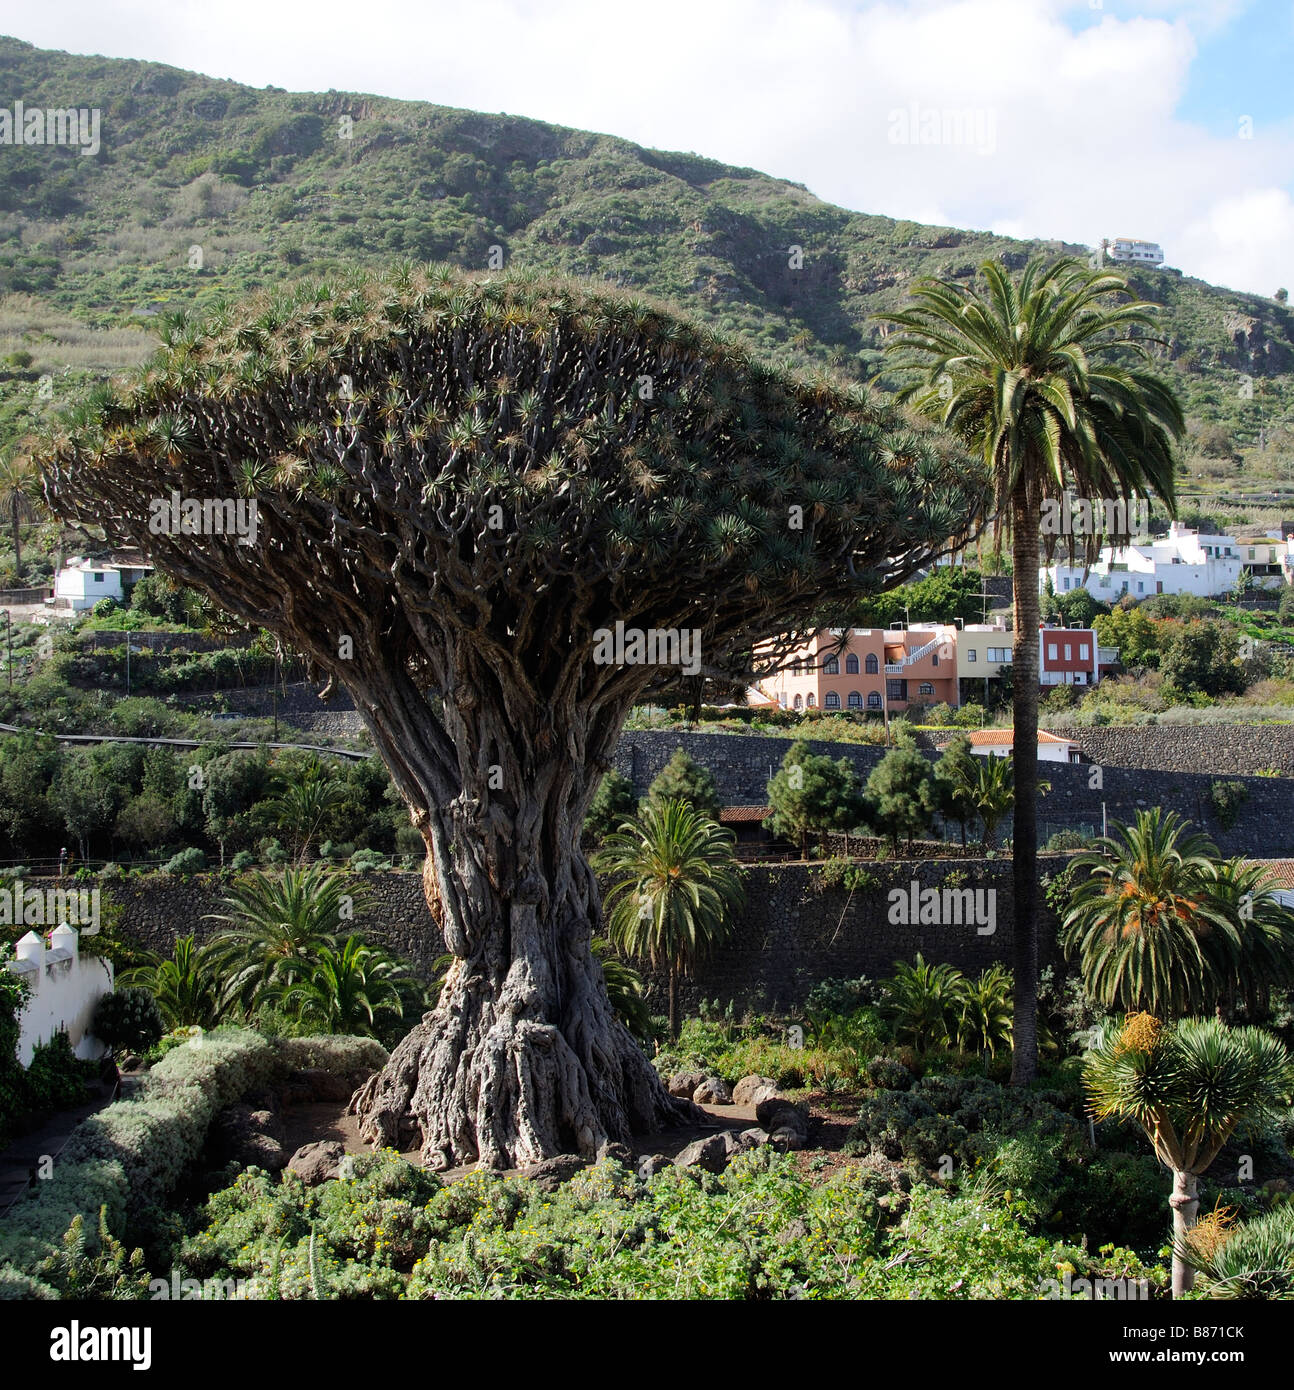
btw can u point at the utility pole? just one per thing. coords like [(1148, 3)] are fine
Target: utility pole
[(8, 633)]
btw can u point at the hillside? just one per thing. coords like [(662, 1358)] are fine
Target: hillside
[(266, 185)]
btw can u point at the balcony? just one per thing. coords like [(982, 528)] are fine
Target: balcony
[(1107, 656)]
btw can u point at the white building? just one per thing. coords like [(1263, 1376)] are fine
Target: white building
[(1183, 562), (81, 583), (1129, 249), (65, 987), (1001, 743)]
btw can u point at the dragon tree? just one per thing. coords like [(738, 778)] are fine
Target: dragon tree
[(494, 509)]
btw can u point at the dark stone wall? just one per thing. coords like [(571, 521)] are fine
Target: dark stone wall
[(793, 932), (1216, 749), (1264, 825)]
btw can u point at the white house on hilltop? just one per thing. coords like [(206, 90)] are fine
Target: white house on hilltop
[(82, 582), (1183, 562)]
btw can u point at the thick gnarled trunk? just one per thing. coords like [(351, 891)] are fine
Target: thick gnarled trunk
[(522, 1057)]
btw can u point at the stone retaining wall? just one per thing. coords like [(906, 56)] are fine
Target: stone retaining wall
[(793, 932), (1264, 825)]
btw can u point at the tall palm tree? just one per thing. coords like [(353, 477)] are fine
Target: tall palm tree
[(276, 928), (675, 887), (1026, 371), (1190, 1086), (21, 499), (303, 805), (345, 990), (1146, 924), (186, 987), (1264, 959)]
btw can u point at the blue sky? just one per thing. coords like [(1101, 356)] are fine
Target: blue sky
[(1053, 118)]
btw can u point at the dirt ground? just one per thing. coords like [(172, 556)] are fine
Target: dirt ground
[(831, 1119)]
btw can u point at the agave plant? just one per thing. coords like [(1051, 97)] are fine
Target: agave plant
[(1252, 1260)]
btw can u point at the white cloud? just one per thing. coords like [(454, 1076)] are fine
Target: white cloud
[(1077, 136)]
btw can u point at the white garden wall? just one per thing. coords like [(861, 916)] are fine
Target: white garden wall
[(65, 987)]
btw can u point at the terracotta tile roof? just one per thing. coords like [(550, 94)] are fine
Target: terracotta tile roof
[(1281, 871), (743, 815), (980, 737)]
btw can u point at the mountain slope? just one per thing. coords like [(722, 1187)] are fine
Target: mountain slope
[(270, 184)]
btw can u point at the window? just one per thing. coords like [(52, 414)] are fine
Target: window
[(98, 576), (1082, 651), (1051, 651), (872, 665), (898, 690), (1251, 552), (874, 699), (856, 700), (1066, 583), (811, 701), (1069, 652), (1141, 588), (832, 666), (926, 688), (831, 700), (971, 655), (799, 703), (934, 660), (851, 665)]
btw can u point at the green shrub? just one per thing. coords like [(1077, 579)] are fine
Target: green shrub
[(128, 1020), (1226, 798), (56, 1077), (187, 861), (243, 861)]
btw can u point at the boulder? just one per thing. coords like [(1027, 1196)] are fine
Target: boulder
[(549, 1175), (247, 1137), (743, 1093), (753, 1138), (763, 1093), (683, 1083), (711, 1154), (712, 1091), (775, 1111), (317, 1162), (621, 1153), (651, 1164), (784, 1139)]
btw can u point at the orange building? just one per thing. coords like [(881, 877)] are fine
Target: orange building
[(875, 667)]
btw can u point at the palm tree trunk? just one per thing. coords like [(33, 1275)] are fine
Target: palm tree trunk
[(1024, 700), (673, 1002), (1185, 1203)]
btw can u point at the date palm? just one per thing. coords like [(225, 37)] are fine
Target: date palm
[(1263, 960), (1146, 924), (675, 887), (303, 806), (186, 987), (277, 926), (1027, 370), (1191, 1086), (984, 1010), (346, 990), (991, 791), (923, 1002), (21, 500)]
